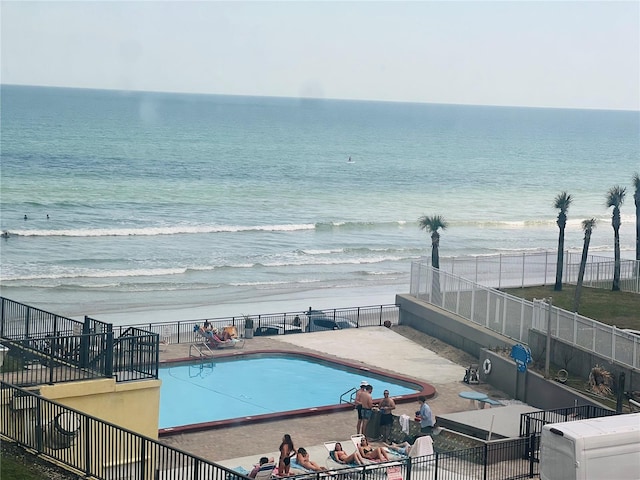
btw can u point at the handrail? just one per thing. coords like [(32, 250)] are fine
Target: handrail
[(351, 391), (201, 354)]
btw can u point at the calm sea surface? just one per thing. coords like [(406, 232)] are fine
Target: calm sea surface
[(163, 199)]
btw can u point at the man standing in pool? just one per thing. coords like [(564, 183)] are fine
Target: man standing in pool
[(358, 402)]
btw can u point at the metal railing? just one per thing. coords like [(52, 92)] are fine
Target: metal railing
[(97, 449), (48, 347), (182, 331), (539, 268), (513, 317), (606, 341), (531, 424)]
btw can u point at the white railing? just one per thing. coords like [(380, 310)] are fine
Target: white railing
[(513, 316), (539, 268), (605, 340)]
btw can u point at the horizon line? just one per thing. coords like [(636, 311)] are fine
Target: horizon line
[(317, 98)]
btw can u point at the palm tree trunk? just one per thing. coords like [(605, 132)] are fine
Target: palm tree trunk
[(616, 264), (560, 262), (583, 266), (436, 294)]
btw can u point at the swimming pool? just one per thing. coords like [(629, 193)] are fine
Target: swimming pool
[(259, 386)]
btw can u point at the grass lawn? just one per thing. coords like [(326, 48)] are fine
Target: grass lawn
[(621, 309)]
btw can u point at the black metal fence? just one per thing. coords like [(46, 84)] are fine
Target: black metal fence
[(48, 348), (182, 331), (94, 448), (532, 422), (531, 426)]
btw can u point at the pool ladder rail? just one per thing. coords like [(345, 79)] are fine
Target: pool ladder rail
[(352, 393), (202, 349)]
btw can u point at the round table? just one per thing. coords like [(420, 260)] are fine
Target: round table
[(473, 397)]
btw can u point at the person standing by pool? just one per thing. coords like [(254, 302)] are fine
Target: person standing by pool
[(425, 416), (358, 402), (367, 408), (387, 405), (287, 450)]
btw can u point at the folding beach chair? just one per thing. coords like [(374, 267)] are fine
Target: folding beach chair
[(266, 471), (357, 440)]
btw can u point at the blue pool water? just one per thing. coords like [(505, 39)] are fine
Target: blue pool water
[(223, 389)]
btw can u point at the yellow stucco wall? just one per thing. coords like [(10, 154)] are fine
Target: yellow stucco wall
[(131, 405)]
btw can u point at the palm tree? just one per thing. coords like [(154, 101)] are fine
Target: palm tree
[(587, 227), (432, 225), (562, 202), (615, 198), (636, 197)]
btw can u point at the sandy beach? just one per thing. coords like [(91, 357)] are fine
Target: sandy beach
[(136, 308)]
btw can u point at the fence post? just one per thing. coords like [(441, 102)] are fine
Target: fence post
[(473, 302), (87, 446), (476, 278), (500, 272), (523, 273), (108, 354), (39, 430)]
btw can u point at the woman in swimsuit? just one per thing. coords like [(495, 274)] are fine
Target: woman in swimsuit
[(341, 456), (371, 453), (302, 457), (287, 451)]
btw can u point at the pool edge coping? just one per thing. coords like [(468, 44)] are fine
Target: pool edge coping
[(427, 390)]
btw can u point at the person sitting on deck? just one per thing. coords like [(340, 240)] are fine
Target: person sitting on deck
[(302, 458), (402, 448), (340, 456), (264, 464), (372, 453)]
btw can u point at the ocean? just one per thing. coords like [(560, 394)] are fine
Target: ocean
[(157, 206)]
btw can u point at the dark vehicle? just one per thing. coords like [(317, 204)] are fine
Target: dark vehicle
[(277, 329), (318, 321)]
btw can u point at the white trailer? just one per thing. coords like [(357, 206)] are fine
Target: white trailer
[(592, 449)]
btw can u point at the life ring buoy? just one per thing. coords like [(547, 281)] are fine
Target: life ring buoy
[(486, 366)]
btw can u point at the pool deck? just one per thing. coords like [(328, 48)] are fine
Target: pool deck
[(376, 347)]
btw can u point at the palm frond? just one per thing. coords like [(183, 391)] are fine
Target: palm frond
[(615, 196), (562, 202), (600, 381), (432, 223), (589, 224)]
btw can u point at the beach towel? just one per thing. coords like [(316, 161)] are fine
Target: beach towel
[(297, 466), (421, 447), (404, 423)]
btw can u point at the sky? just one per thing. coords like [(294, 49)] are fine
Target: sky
[(577, 54)]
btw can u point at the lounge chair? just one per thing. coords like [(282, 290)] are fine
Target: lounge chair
[(330, 446), (357, 440), (266, 471), (422, 447), (213, 341)]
